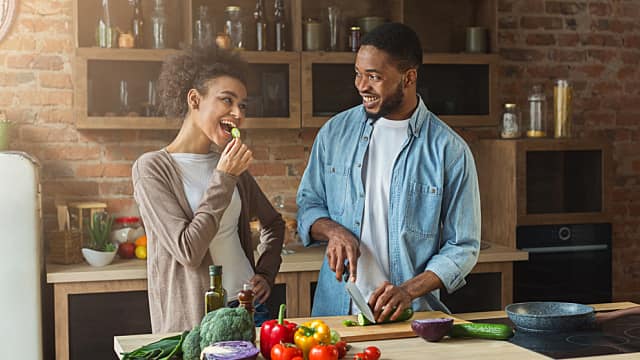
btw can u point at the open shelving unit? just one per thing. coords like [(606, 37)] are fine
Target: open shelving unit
[(294, 88)]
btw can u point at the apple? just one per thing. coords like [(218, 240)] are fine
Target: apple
[(126, 250)]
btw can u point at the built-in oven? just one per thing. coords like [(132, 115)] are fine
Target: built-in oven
[(566, 263)]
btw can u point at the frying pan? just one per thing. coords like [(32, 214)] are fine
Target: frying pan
[(552, 316)]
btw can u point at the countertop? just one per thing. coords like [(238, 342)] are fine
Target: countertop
[(416, 348), (304, 259)]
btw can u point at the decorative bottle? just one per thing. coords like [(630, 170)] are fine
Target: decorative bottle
[(281, 27), (233, 26), (537, 125), (245, 300), (216, 296), (159, 26), (105, 33), (137, 23), (261, 26), (203, 29)]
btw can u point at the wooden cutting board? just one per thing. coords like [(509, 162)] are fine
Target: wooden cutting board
[(377, 332)]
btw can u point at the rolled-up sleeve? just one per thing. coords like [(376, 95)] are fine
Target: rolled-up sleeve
[(311, 198), (461, 223)]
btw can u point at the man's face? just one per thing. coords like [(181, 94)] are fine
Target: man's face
[(380, 83)]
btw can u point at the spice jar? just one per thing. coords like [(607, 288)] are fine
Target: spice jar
[(234, 27), (536, 127), (510, 122), (354, 38), (562, 95)]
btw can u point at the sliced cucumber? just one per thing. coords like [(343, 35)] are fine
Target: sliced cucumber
[(482, 331), (404, 316)]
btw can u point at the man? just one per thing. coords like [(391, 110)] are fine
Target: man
[(391, 188)]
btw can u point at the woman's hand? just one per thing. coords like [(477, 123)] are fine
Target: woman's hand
[(261, 289), (235, 158)]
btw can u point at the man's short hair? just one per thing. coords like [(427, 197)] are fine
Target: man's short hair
[(399, 41)]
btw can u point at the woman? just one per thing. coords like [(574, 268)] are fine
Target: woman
[(196, 203)]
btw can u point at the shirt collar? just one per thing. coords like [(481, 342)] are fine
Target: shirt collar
[(416, 120)]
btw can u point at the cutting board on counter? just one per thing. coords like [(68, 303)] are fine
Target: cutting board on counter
[(377, 332)]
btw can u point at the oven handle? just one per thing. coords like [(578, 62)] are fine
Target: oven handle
[(560, 249)]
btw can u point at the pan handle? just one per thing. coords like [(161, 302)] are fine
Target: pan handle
[(611, 315)]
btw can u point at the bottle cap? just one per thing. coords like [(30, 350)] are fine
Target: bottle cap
[(232, 9), (353, 28), (215, 269), (509, 106)]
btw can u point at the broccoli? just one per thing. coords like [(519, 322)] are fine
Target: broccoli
[(191, 345), (223, 324)]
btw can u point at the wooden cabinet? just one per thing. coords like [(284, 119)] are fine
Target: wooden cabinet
[(293, 88), (542, 182)]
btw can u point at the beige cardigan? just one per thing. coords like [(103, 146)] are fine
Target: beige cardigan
[(178, 240)]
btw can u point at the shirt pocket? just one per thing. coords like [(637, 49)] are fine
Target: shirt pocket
[(423, 209), (336, 188)]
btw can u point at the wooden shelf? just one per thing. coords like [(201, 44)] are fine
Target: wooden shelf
[(95, 53), (128, 123)]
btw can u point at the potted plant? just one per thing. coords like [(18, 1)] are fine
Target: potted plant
[(100, 251)]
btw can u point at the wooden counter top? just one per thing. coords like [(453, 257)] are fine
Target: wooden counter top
[(304, 259)]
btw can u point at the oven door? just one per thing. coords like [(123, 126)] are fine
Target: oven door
[(580, 273)]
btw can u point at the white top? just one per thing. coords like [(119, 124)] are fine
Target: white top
[(225, 246), (373, 265)]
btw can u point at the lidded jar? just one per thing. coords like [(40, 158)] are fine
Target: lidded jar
[(538, 113), (510, 127), (233, 26)]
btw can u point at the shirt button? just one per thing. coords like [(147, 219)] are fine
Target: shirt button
[(359, 165), (365, 138), (361, 195), (357, 223)]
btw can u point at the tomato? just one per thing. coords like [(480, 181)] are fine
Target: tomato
[(360, 356), (126, 250), (372, 352), (323, 352), (285, 352), (342, 348)]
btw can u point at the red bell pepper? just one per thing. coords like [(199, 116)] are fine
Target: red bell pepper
[(275, 332)]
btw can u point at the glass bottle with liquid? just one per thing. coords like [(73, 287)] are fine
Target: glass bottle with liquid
[(245, 300), (280, 25), (261, 26), (536, 127), (562, 96), (233, 26), (105, 32), (216, 296), (159, 26), (137, 22), (203, 29)]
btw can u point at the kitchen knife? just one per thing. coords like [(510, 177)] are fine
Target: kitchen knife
[(359, 300)]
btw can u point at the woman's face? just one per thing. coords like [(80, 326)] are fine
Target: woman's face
[(222, 109)]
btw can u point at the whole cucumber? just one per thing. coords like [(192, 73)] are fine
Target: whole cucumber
[(405, 315), (482, 331)]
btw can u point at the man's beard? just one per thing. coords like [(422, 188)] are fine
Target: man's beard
[(389, 105)]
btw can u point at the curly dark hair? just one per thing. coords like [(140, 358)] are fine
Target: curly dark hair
[(399, 41), (192, 69)]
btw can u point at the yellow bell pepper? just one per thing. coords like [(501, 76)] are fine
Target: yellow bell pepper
[(310, 334)]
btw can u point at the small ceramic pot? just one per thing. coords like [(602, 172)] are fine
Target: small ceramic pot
[(98, 258)]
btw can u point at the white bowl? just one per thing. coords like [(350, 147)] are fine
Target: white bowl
[(98, 258)]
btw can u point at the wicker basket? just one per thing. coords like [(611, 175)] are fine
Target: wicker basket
[(65, 247)]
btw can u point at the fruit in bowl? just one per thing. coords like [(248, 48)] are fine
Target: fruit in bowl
[(126, 250), (432, 329)]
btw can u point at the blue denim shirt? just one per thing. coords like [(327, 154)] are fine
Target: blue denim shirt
[(434, 203)]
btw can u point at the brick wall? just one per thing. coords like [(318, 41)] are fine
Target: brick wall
[(594, 44)]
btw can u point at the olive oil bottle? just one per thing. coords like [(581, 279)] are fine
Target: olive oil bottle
[(216, 296)]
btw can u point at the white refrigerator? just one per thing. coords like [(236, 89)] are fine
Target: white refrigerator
[(22, 262)]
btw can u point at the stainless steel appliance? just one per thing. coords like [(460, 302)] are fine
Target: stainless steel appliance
[(569, 263)]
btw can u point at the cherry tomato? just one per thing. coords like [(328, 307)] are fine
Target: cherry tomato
[(342, 347), (323, 352), (372, 352), (360, 356)]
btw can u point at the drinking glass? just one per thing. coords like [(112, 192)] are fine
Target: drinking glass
[(333, 13), (124, 98)]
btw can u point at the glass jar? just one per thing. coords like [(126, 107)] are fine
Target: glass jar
[(562, 95), (202, 28), (354, 38), (537, 125), (125, 229), (510, 122), (105, 32), (233, 26)]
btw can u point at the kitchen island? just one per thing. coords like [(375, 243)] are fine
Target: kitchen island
[(417, 348), (297, 273)]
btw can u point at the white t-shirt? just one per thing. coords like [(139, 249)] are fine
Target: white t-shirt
[(225, 246), (373, 265)]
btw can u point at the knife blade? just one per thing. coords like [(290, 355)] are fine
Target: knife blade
[(359, 300)]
